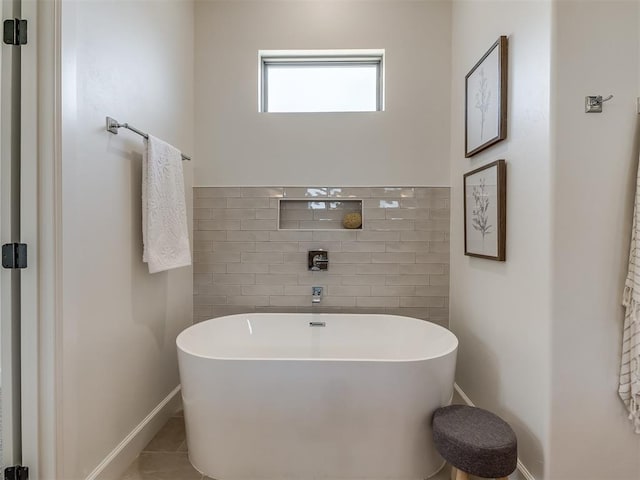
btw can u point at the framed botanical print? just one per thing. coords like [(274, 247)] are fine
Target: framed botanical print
[(486, 100), (485, 211)]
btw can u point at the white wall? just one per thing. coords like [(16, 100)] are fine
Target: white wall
[(546, 362), (500, 311), (408, 144), (132, 60), (596, 158)]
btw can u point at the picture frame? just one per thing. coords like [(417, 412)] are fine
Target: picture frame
[(485, 211), (485, 93)]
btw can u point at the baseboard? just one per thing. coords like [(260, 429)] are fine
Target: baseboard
[(116, 463), (522, 470)]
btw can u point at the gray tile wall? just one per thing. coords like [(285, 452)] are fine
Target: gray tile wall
[(397, 264)]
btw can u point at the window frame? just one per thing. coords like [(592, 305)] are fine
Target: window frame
[(321, 58)]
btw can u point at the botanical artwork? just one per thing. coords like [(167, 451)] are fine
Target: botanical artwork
[(484, 211), (483, 100), (486, 100), (480, 209)]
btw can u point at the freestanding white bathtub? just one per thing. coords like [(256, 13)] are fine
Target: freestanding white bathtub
[(269, 396)]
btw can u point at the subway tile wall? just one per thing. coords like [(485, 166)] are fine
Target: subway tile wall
[(397, 264)]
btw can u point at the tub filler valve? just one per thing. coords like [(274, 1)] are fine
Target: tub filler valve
[(316, 295), (318, 260)]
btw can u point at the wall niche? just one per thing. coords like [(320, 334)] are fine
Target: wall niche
[(320, 214)]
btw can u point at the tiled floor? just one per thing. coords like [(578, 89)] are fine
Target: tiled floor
[(165, 458)]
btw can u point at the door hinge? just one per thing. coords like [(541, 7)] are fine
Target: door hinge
[(16, 472), (15, 32), (14, 255)]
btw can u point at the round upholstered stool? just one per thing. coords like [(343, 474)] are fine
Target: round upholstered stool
[(475, 442)]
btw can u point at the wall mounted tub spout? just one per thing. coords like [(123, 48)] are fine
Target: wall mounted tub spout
[(316, 295)]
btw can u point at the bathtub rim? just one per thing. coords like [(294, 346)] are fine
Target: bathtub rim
[(449, 351)]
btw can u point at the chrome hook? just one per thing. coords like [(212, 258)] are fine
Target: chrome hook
[(593, 103)]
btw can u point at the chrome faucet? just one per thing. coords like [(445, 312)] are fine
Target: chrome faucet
[(316, 295)]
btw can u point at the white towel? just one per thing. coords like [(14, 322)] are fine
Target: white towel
[(629, 388), (165, 233)]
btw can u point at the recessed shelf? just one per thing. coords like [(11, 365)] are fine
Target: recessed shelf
[(317, 213)]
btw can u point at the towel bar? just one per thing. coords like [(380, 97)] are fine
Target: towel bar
[(113, 125)]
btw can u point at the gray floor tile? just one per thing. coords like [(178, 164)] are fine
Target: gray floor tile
[(162, 466), (444, 474), (170, 438)]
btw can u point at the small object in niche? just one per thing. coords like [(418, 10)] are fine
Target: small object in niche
[(352, 220)]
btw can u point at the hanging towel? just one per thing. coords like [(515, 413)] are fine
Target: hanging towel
[(165, 233), (629, 388)]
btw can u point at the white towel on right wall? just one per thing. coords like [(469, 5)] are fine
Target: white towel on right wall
[(165, 232), (629, 388)]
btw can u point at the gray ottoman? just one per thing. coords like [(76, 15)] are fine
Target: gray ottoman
[(475, 441)]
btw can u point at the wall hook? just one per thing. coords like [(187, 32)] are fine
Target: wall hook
[(593, 103)]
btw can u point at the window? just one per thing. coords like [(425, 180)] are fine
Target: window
[(321, 81)]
